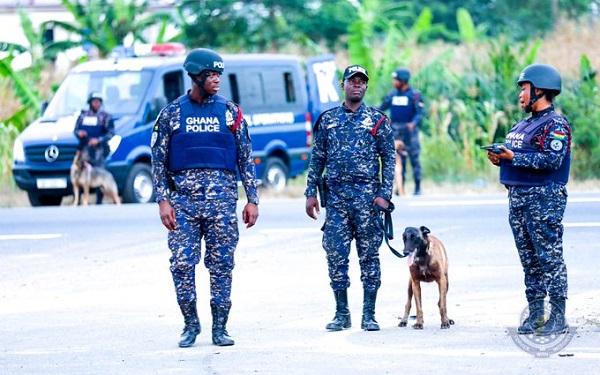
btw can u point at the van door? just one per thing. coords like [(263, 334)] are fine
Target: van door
[(323, 84)]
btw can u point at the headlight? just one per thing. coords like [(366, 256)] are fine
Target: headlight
[(18, 151), (114, 143)]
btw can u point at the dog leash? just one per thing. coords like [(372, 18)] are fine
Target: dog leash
[(384, 222)]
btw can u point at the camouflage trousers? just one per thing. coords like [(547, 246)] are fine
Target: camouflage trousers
[(349, 219), (216, 222), (535, 217)]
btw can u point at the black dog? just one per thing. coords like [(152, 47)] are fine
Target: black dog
[(428, 262)]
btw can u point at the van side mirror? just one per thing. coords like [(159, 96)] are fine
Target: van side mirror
[(43, 107)]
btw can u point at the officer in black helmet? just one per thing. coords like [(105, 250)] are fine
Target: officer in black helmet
[(406, 112), (198, 143), (94, 128), (535, 170)]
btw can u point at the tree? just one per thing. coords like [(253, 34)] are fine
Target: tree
[(105, 24)]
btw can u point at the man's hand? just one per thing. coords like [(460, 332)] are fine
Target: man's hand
[(93, 142), (250, 214), (167, 215), (312, 207), (381, 202), (82, 133)]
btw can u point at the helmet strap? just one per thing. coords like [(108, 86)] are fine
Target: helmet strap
[(200, 83), (533, 97)]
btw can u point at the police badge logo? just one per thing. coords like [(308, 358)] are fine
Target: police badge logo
[(154, 138), (538, 345), (556, 145)]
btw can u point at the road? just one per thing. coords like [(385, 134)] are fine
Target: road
[(87, 290)]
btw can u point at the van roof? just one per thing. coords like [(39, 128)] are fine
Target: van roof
[(153, 62)]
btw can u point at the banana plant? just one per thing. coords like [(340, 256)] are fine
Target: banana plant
[(105, 24)]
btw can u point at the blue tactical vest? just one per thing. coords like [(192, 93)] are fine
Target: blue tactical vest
[(519, 176), (203, 139), (94, 123), (402, 107)]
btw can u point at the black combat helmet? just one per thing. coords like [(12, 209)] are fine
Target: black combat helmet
[(94, 95), (401, 74), (541, 76), (201, 59)]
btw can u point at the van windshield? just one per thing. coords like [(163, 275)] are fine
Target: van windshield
[(123, 92)]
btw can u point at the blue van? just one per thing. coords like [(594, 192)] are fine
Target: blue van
[(280, 95)]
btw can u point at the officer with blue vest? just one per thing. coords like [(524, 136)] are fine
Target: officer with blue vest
[(406, 112), (94, 128), (534, 167), (354, 153), (199, 143)]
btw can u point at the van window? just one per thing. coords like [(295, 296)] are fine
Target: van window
[(122, 92), (173, 85), (290, 94), (234, 88)]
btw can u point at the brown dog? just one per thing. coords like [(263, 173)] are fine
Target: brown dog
[(85, 176), (428, 262)]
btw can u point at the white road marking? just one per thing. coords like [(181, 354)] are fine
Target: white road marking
[(29, 236), (580, 225)]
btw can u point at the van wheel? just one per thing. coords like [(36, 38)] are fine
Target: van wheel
[(275, 175), (38, 200), (138, 187)]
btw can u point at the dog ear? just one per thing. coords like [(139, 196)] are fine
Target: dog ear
[(425, 230)]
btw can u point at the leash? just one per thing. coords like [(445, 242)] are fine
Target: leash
[(384, 222)]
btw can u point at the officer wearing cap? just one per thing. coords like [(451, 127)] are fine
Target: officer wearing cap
[(199, 143), (534, 167), (94, 128), (406, 112), (352, 144)]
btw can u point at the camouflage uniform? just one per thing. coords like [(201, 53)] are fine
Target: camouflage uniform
[(536, 212), (103, 129), (350, 155), (406, 106), (205, 204)]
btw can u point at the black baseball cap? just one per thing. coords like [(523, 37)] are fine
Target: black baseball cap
[(353, 70)]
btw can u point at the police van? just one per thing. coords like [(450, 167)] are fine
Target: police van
[(280, 95)]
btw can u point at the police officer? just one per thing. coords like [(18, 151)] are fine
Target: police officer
[(198, 142), (351, 142), (535, 169), (94, 128), (406, 112)]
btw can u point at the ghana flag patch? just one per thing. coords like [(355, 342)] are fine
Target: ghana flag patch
[(559, 135)]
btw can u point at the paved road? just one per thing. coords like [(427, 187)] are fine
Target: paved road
[(88, 291)]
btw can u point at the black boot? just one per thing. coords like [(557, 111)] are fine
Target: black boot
[(341, 319), (220, 337), (535, 320), (417, 187), (556, 323), (368, 319), (192, 323)]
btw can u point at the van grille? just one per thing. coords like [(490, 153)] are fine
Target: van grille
[(36, 154)]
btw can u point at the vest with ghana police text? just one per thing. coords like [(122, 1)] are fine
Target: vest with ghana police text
[(521, 139), (94, 123), (203, 140)]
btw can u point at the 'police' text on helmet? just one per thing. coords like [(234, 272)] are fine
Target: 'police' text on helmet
[(541, 76), (201, 59)]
